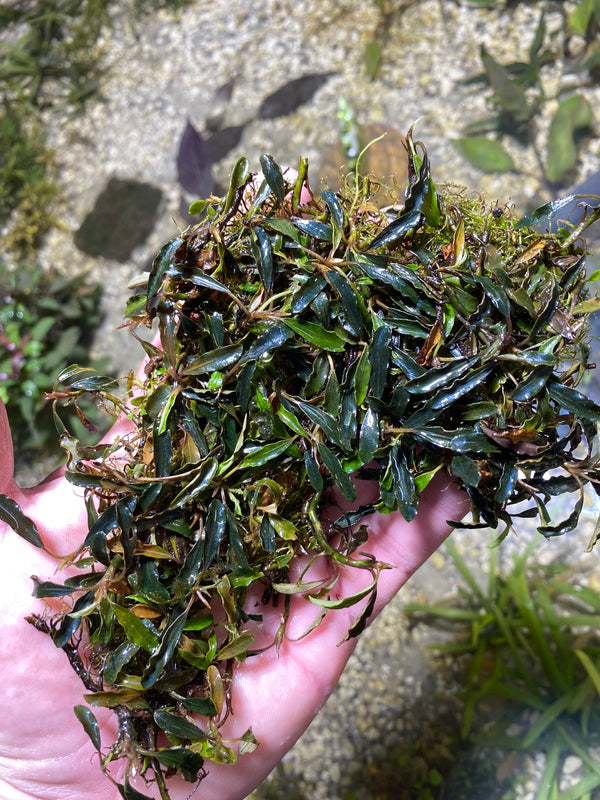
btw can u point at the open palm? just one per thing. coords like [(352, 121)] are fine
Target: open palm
[(45, 753)]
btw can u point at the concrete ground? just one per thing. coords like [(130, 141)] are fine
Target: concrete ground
[(219, 65)]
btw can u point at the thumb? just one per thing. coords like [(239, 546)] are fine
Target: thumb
[(7, 483)]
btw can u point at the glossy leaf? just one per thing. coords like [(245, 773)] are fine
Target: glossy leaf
[(90, 724), (219, 359), (11, 514), (177, 726), (187, 762), (263, 253), (274, 177), (316, 335), (340, 478), (135, 629)]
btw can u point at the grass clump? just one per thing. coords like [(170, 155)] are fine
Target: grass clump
[(529, 642)]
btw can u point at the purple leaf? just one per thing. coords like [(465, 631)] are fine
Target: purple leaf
[(194, 165)]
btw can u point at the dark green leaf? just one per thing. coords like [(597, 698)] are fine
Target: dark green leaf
[(316, 335), (49, 589), (117, 660), (307, 292), (169, 640), (544, 213), (185, 761), (71, 622), (466, 469), (134, 628), (403, 484), (379, 357), (263, 255), (314, 228), (90, 724), (532, 386), (313, 472), (11, 514), (403, 226), (200, 705), (335, 207), (508, 480), (160, 266), (574, 401), (268, 536), (129, 793), (273, 176), (435, 379), (95, 383), (325, 421), (271, 339), (348, 300), (340, 477), (199, 483), (262, 455), (177, 726), (214, 360), (214, 531), (369, 436)]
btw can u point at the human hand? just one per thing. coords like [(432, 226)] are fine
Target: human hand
[(45, 753)]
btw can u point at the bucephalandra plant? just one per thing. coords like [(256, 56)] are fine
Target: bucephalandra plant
[(306, 337)]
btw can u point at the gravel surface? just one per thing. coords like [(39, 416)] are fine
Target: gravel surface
[(214, 64)]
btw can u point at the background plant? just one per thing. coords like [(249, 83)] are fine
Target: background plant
[(529, 645), (46, 323), (518, 95)]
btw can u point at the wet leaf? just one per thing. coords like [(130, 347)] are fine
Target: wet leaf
[(325, 421), (273, 176), (188, 763), (400, 228), (316, 335), (271, 339), (466, 469), (90, 724), (136, 631), (169, 640), (340, 478), (262, 455), (177, 726), (213, 360), (369, 436), (348, 300), (261, 248), (574, 401), (314, 228), (11, 514), (215, 530)]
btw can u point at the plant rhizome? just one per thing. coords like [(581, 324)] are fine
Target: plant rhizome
[(305, 338)]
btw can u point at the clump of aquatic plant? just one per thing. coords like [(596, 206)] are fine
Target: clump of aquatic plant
[(306, 337)]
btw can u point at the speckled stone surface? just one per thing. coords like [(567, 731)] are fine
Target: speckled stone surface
[(213, 64)]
